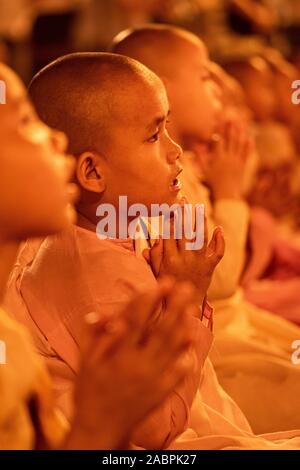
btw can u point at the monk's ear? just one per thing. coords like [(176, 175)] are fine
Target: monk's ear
[(90, 172)]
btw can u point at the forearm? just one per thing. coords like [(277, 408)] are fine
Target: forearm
[(233, 216)]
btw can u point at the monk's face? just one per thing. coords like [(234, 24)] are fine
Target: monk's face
[(34, 171), (142, 160), (194, 95)]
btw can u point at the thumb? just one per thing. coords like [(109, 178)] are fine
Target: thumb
[(146, 254)]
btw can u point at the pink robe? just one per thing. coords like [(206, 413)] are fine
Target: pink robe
[(272, 278), (57, 281)]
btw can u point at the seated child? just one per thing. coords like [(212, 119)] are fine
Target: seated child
[(194, 126), (121, 149), (142, 372), (252, 349), (62, 280)]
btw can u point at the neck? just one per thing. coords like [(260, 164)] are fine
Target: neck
[(118, 226), (8, 254), (84, 221)]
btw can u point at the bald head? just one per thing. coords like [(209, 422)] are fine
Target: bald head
[(245, 70), (85, 94), (159, 47)]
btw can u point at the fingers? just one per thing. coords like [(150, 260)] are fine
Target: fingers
[(195, 224), (170, 249), (156, 256), (175, 330), (217, 148), (216, 247), (171, 378), (176, 300), (144, 309), (203, 157), (201, 227), (205, 231), (110, 335), (146, 255), (186, 227), (106, 338)]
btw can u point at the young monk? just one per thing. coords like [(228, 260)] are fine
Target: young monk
[(252, 350), (212, 419), (117, 383), (123, 148), (195, 126)]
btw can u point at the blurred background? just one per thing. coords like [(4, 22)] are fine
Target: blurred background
[(33, 32)]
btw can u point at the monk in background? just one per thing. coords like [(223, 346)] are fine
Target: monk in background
[(253, 348)]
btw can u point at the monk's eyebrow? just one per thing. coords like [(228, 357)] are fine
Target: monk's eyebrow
[(157, 121)]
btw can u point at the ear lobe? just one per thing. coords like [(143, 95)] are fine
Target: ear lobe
[(89, 172)]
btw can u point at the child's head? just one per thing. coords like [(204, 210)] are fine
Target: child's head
[(256, 78), (181, 60), (34, 171), (114, 112)]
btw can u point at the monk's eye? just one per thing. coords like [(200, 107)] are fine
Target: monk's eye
[(154, 138)]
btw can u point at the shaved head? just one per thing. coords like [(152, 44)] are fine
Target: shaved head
[(182, 61), (256, 78), (159, 47), (245, 70), (85, 94)]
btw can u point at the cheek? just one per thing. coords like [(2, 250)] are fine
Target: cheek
[(32, 189), (45, 179), (208, 103)]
